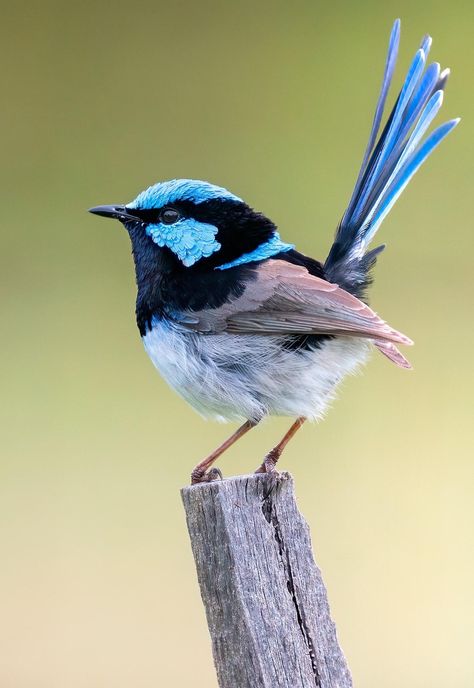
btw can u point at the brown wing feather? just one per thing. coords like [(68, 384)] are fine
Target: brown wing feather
[(304, 304), (286, 299)]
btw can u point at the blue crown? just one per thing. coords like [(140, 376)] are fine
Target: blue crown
[(194, 190)]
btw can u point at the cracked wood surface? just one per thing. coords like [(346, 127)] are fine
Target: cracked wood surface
[(266, 604)]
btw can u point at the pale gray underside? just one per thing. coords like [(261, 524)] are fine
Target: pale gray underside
[(234, 377)]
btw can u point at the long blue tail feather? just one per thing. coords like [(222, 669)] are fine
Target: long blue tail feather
[(392, 134), (400, 154), (415, 106), (387, 79), (413, 163), (389, 163)]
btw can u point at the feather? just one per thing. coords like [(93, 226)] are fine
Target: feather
[(393, 354), (391, 137), (285, 299), (443, 77), (415, 106), (406, 173), (386, 81), (423, 123), (390, 163)]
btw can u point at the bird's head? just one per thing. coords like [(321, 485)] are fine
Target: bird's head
[(197, 225)]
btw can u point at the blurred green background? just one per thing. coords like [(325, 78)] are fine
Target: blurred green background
[(273, 100)]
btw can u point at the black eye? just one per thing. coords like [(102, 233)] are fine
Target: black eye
[(169, 216)]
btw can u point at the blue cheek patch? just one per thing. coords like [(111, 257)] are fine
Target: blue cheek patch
[(189, 239), (271, 248)]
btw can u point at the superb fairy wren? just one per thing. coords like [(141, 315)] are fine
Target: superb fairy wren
[(239, 322)]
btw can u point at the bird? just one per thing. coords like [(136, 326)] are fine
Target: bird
[(239, 322)]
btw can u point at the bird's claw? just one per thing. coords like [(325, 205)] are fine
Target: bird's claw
[(214, 474), (269, 463), (200, 476)]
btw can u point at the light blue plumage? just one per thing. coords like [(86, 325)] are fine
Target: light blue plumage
[(193, 190), (189, 239), (271, 248)]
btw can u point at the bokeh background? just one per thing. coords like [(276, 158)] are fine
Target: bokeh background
[(273, 100)]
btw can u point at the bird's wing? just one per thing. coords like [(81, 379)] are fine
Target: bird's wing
[(286, 299)]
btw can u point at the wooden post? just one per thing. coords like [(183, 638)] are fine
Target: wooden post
[(265, 601)]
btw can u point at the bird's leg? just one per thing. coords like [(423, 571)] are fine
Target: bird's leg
[(274, 454), (200, 474)]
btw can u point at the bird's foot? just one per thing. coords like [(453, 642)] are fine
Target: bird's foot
[(202, 476), (269, 462)]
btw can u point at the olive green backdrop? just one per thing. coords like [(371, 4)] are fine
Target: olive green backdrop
[(273, 100)]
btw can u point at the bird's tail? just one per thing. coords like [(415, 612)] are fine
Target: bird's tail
[(389, 163)]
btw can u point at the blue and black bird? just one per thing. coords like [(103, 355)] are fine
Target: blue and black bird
[(240, 323)]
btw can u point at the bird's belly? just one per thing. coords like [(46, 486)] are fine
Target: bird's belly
[(234, 377)]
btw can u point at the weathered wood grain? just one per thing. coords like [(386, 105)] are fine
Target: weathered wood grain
[(265, 601)]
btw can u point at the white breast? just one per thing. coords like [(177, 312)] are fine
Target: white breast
[(235, 377)]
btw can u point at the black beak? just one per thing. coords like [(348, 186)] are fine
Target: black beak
[(118, 212)]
